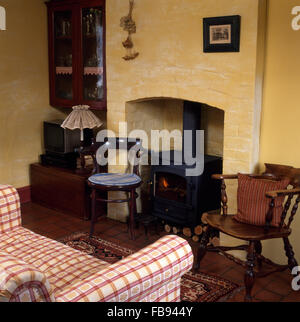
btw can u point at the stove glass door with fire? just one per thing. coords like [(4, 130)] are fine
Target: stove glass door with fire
[(171, 187)]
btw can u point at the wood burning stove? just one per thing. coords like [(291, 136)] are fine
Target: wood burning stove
[(181, 200), (177, 198)]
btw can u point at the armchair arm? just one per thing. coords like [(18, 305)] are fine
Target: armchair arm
[(285, 192), (224, 176), (21, 282), (10, 214), (153, 271), (235, 176), (290, 193)]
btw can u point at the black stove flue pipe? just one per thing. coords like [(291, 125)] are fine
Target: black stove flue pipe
[(191, 121)]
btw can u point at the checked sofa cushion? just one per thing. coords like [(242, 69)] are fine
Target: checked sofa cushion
[(61, 264)]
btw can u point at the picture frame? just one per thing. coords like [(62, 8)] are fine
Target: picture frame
[(221, 34)]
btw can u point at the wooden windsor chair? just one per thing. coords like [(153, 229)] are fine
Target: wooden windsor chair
[(253, 234), (105, 182)]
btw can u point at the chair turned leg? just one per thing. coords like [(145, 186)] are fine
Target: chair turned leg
[(131, 215), (201, 250), (290, 254), (258, 251), (94, 215), (137, 223), (249, 275)]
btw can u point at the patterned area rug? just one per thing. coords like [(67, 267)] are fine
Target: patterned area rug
[(194, 287)]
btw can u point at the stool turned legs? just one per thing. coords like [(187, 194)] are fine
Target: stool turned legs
[(132, 212), (94, 215), (131, 215)]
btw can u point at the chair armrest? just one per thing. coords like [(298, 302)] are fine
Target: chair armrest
[(137, 276), (10, 213), (285, 192), (272, 195), (235, 176), (21, 282), (224, 176)]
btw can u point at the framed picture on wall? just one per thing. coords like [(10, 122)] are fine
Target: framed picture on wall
[(221, 34)]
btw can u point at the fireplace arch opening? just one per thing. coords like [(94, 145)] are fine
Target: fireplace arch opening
[(167, 114), (175, 196)]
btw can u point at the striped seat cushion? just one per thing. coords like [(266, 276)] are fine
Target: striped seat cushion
[(115, 179), (253, 204)]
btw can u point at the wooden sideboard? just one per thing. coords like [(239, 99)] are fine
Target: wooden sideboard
[(60, 189)]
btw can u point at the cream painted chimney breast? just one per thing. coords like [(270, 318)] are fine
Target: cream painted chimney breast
[(2, 18)]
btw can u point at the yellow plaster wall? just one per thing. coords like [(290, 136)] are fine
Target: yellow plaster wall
[(23, 88), (156, 114), (212, 122), (280, 136)]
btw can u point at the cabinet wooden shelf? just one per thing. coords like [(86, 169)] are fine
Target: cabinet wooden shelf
[(76, 31)]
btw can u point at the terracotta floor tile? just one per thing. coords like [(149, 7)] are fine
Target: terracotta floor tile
[(213, 258), (234, 275), (267, 296), (111, 231), (216, 268), (37, 231), (261, 283), (238, 297), (292, 297), (285, 277), (280, 287)]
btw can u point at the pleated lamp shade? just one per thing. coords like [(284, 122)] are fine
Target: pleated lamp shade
[(81, 118)]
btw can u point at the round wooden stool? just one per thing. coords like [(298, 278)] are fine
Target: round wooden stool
[(114, 182)]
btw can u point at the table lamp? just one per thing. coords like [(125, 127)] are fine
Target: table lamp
[(81, 118)]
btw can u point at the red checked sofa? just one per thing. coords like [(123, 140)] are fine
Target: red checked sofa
[(34, 268)]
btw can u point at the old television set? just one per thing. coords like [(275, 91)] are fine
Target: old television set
[(62, 145), (59, 140)]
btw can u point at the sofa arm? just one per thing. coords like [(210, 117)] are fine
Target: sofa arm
[(155, 269), (21, 282), (10, 213)]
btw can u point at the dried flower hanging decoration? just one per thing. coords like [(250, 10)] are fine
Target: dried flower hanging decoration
[(128, 24)]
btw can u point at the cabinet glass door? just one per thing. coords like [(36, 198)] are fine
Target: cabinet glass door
[(92, 54), (63, 59)]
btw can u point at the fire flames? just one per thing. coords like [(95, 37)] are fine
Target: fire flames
[(164, 183)]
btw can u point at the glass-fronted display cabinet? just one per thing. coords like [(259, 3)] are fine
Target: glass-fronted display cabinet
[(76, 53)]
